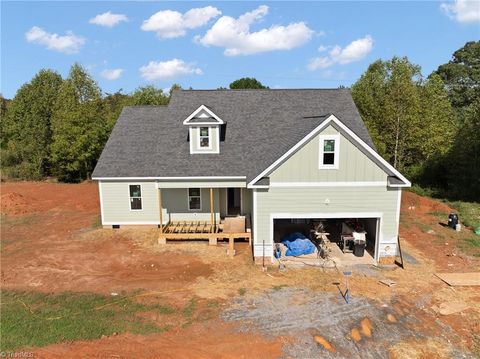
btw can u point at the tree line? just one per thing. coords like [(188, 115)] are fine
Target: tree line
[(58, 127), (427, 127)]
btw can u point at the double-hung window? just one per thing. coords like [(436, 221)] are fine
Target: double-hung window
[(135, 197), (329, 151), (204, 137), (194, 199)]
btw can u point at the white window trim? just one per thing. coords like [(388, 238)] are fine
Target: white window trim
[(205, 150), (188, 200), (322, 139), (209, 147), (129, 197)]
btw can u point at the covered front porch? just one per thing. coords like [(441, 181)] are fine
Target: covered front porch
[(221, 225)]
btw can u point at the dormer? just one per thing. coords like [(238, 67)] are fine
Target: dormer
[(204, 129)]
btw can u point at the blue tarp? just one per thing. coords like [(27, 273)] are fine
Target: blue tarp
[(297, 244)]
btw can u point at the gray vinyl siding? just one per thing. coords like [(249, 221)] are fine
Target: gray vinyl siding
[(311, 200), (115, 197), (354, 165), (214, 138)]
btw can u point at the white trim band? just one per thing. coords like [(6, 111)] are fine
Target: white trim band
[(329, 184), (169, 178)]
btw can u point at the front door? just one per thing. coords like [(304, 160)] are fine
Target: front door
[(234, 200)]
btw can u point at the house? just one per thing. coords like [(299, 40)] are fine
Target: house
[(281, 158)]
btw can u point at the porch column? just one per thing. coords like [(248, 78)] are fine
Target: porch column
[(211, 211), (161, 209)]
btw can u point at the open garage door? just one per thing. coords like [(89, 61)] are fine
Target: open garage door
[(338, 230)]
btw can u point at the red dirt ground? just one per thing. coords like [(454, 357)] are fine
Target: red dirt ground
[(440, 245), (196, 341), (46, 247), (42, 250)]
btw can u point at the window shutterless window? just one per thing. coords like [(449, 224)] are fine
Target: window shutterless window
[(135, 197), (194, 199), (204, 137), (329, 151)]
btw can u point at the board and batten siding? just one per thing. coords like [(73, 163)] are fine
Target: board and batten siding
[(115, 204), (303, 166), (327, 202)]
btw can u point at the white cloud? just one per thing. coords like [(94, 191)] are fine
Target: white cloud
[(170, 24), (235, 36), (354, 51), (322, 48), (108, 19), (68, 44), (168, 70), (464, 11), (111, 74)]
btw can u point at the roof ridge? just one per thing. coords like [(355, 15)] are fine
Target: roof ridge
[(266, 90)]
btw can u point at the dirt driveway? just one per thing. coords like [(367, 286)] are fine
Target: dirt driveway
[(51, 242)]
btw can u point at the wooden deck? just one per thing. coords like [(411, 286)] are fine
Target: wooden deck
[(184, 230)]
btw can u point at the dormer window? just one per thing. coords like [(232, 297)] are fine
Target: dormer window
[(204, 131), (204, 139), (329, 151)]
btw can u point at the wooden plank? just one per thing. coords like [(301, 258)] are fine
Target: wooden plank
[(460, 279), (161, 209), (231, 246), (401, 264), (211, 210)]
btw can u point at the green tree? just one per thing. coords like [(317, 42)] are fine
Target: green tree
[(463, 159), (461, 75), (149, 95), (247, 83), (113, 104), (26, 129), (79, 127), (388, 100)]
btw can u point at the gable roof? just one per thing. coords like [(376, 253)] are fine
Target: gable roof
[(202, 115), (260, 127)]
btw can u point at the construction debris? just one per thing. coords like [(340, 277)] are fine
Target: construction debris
[(460, 279), (450, 308), (388, 282)]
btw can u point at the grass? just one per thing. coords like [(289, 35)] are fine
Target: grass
[(37, 319), (470, 246), (242, 291), (97, 222), (424, 227), (189, 311), (279, 286), (18, 220), (469, 212), (439, 214)]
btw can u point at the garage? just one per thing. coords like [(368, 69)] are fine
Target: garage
[(342, 233)]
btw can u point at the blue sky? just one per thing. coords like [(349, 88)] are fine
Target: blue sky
[(210, 44)]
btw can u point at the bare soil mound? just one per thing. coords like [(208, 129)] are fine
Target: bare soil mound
[(14, 203)]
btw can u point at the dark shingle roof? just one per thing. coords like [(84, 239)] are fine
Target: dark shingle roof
[(261, 125)]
